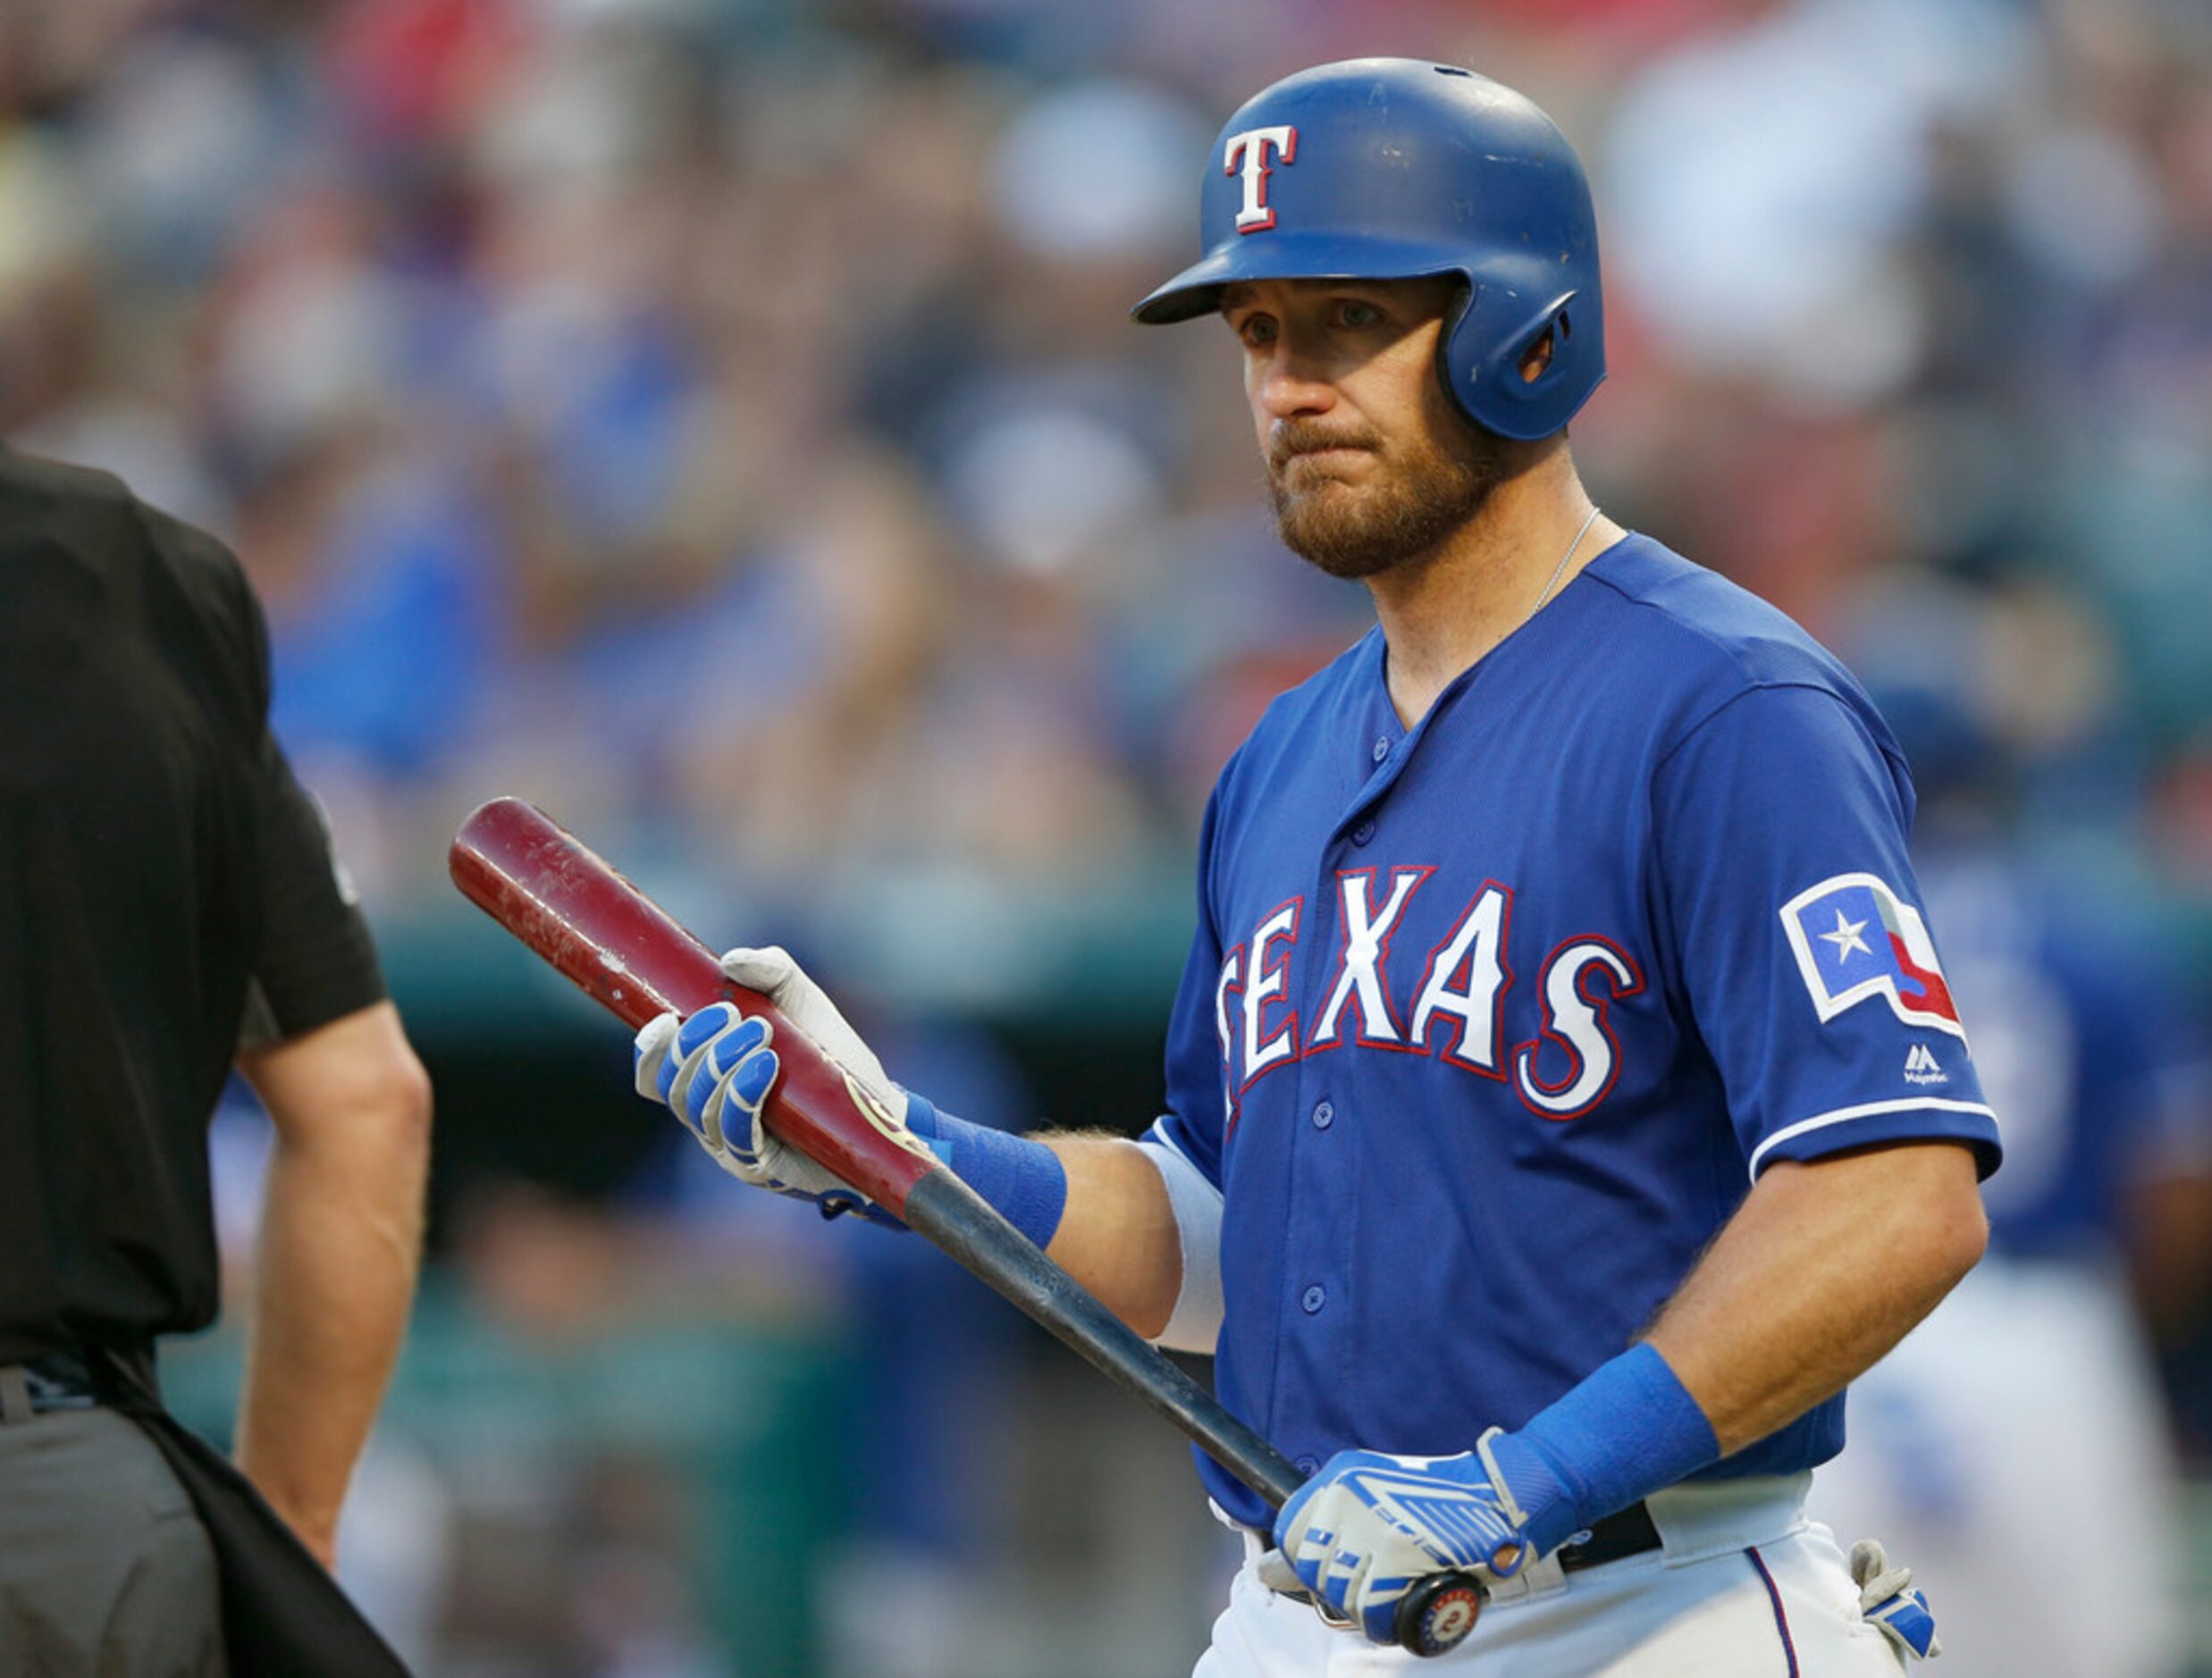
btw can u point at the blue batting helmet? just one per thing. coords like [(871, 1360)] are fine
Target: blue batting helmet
[(1393, 168)]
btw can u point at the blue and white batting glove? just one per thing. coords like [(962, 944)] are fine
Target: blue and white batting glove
[(1887, 1599), (1366, 1526), (715, 1070), (1364, 1530)]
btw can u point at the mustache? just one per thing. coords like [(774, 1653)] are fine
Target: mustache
[(1293, 437)]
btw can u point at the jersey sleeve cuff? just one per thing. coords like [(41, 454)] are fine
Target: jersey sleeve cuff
[(1914, 1118)]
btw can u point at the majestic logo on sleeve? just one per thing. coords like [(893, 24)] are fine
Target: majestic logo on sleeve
[(1247, 154), (1856, 938)]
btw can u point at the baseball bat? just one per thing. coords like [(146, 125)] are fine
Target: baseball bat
[(568, 905)]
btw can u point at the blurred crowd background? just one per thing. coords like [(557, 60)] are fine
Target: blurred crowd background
[(718, 420)]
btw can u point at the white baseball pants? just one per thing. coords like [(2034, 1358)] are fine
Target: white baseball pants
[(1742, 1586)]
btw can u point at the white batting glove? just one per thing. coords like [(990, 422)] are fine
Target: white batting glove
[(1364, 1530), (774, 973), (1887, 1599), (716, 1069)]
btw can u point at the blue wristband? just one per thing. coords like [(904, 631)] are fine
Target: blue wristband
[(1629, 1429), (1023, 1179)]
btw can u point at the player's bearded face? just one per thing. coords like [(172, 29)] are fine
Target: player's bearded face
[(1355, 517)]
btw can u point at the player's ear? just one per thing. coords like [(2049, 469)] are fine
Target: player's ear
[(1537, 358)]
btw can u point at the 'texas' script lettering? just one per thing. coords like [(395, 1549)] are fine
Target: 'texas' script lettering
[(1453, 1011)]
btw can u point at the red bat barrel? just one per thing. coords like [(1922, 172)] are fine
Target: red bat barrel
[(545, 886)]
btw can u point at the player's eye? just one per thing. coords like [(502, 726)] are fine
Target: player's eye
[(1256, 329), (1357, 315)]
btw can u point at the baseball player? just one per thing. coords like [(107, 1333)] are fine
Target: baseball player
[(1564, 1099)]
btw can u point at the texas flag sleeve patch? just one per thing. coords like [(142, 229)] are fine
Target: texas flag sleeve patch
[(1854, 938)]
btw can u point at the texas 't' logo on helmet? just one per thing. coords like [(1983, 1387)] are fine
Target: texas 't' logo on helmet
[(1246, 154), (1856, 938)]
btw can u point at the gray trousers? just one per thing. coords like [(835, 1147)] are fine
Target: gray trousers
[(106, 1571)]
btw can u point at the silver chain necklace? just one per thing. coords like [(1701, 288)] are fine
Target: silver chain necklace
[(1557, 568)]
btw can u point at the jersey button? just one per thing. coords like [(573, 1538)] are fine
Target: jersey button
[(1314, 1299), (1325, 1114), (1307, 1466), (1364, 831), (1382, 748)]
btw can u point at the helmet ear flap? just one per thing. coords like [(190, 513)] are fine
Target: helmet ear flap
[(1486, 356)]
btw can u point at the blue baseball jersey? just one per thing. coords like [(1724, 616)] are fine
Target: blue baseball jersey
[(1488, 1025)]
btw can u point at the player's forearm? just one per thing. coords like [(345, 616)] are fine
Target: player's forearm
[(1118, 1235), (342, 1234), (1823, 1269)]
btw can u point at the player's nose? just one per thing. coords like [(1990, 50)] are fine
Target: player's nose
[(1289, 385)]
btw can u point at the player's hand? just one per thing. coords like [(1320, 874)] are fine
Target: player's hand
[(776, 974), (1887, 1599), (1364, 1530), (716, 1069)]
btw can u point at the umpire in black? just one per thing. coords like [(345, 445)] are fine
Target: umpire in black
[(170, 905)]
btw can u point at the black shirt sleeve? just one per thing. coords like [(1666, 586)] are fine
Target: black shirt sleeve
[(313, 961)]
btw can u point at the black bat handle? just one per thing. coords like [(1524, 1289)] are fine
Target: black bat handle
[(946, 1213), (1433, 1618)]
